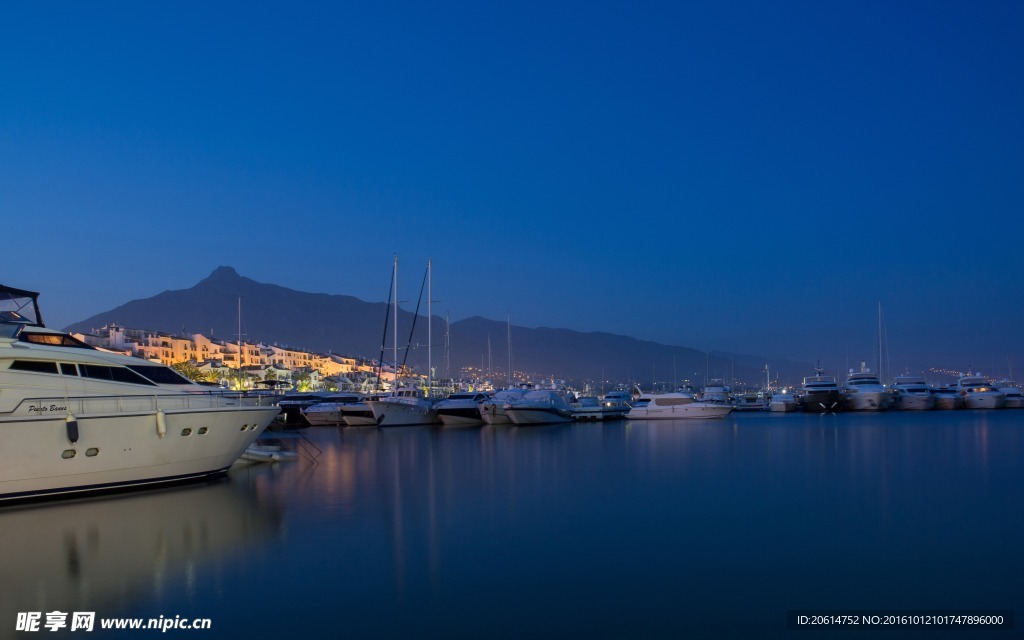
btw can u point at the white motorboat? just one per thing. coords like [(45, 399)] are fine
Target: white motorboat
[(864, 392), (911, 393), (675, 406), (616, 404), (715, 391), (947, 398), (1012, 398), (359, 414), (492, 411), (294, 405), (540, 406), (587, 409), (331, 412), (76, 419), (407, 407), (978, 392), (752, 401), (783, 400), (461, 409), (820, 393)]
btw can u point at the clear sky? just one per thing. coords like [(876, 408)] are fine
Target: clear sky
[(743, 176)]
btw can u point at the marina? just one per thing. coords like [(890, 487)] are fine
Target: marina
[(626, 528)]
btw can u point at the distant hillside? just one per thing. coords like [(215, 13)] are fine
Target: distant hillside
[(346, 325)]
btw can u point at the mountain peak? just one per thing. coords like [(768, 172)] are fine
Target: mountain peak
[(223, 272)]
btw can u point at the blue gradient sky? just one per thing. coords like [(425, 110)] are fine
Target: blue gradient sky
[(742, 176)]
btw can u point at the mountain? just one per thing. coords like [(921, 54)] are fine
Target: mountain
[(346, 325)]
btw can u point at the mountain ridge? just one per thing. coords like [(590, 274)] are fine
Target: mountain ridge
[(343, 324)]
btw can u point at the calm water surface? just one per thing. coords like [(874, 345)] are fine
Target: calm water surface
[(621, 530)]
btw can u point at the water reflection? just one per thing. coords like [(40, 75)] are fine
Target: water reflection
[(629, 529), (106, 553)]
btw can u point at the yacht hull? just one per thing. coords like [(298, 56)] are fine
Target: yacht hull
[(491, 413), (116, 450), (467, 417), (358, 415), (523, 416), (400, 414), (828, 402), (983, 401), (867, 401), (330, 418), (912, 402), (694, 410), (948, 402)]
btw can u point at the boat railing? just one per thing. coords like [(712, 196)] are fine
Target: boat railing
[(53, 406)]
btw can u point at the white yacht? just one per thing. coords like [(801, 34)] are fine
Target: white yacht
[(978, 392), (947, 398), (677, 405), (359, 414), (911, 393), (616, 403), (330, 412), (540, 406), (587, 409), (492, 411), (407, 407), (461, 409), (864, 392), (715, 391), (750, 401), (1012, 398), (783, 400), (76, 419)]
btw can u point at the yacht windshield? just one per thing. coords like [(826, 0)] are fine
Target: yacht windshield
[(20, 306)]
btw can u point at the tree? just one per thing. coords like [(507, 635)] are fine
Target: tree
[(189, 370), (302, 380)]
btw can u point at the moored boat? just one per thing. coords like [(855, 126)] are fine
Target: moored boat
[(947, 398), (294, 404), (911, 393), (75, 419), (677, 405), (864, 392), (540, 406), (715, 391), (331, 412), (616, 403), (1012, 398), (820, 393), (492, 410), (407, 407), (978, 392), (461, 409), (751, 401), (784, 401)]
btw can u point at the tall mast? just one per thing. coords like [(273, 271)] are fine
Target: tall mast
[(508, 325), (881, 373), (394, 287), (430, 326), (239, 341)]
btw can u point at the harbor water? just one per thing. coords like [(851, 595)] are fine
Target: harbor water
[(627, 529)]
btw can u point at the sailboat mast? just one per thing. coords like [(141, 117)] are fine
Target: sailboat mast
[(239, 341), (508, 326), (430, 326), (881, 373), (394, 286)]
